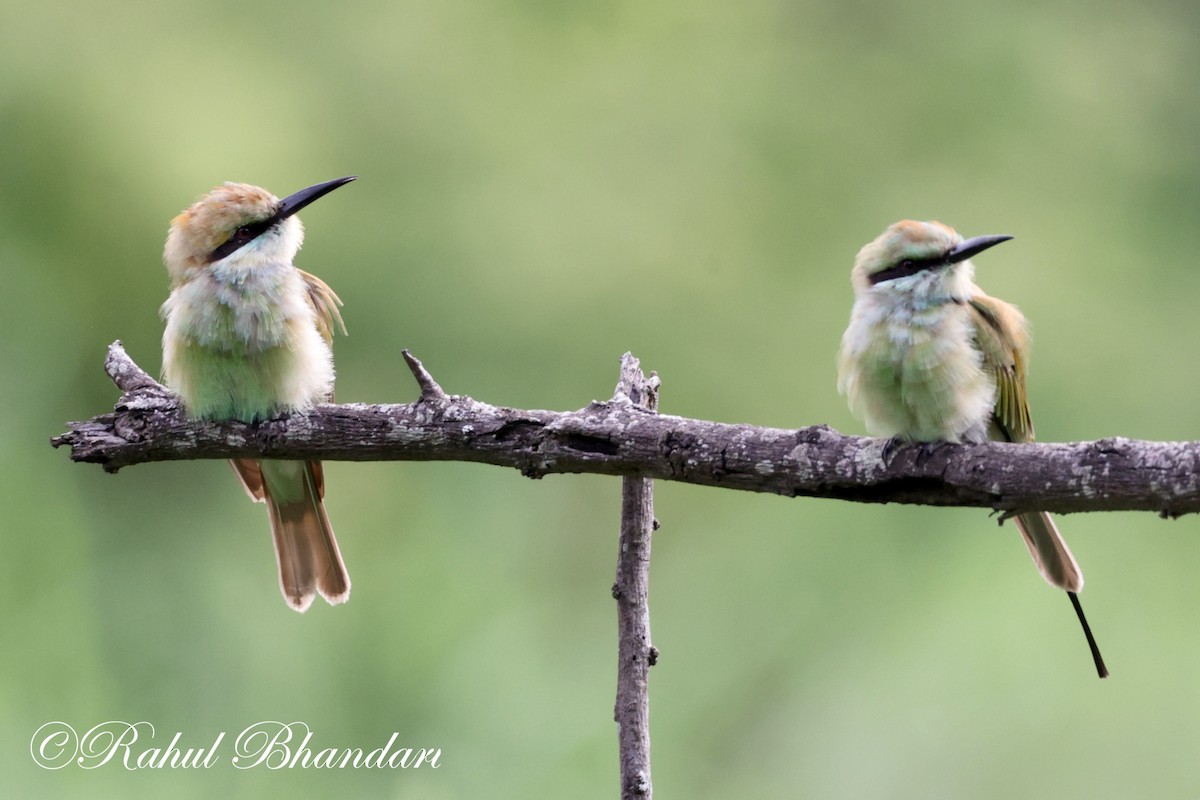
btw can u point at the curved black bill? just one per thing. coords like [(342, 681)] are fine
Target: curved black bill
[(294, 202), (287, 207), (974, 246)]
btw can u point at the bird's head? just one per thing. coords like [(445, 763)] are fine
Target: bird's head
[(239, 220), (912, 254)]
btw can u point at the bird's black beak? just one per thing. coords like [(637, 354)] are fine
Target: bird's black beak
[(287, 207), (294, 202), (974, 246)]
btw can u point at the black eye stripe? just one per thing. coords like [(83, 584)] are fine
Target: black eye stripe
[(240, 236), (909, 266)]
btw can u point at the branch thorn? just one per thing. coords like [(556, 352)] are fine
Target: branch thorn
[(431, 392)]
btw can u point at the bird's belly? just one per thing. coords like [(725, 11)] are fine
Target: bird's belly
[(232, 384), (924, 384), (248, 363)]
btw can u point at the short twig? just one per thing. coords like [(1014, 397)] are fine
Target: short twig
[(430, 390)]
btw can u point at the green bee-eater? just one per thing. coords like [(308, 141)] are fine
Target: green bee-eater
[(928, 357), (248, 338)]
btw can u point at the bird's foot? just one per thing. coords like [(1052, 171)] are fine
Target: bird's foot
[(926, 450), (269, 432), (890, 448)]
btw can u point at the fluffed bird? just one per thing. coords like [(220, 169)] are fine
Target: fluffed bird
[(248, 338), (928, 357)]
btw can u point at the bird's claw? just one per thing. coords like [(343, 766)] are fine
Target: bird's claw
[(890, 448), (926, 450), (893, 446), (269, 432)]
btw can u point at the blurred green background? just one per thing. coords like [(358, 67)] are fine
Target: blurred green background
[(543, 186)]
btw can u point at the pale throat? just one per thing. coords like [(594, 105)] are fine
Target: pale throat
[(927, 290)]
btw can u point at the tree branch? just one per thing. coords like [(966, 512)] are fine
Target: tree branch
[(631, 589), (615, 438)]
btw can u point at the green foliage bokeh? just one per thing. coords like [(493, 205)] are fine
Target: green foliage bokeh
[(544, 186)]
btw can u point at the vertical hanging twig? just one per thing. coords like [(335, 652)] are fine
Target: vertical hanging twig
[(635, 654)]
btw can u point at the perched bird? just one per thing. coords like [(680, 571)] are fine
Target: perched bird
[(248, 338), (928, 357)]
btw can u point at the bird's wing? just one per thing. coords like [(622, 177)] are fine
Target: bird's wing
[(1002, 338), (325, 302)]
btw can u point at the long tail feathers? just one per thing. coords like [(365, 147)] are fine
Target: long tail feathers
[(1054, 560), (305, 547), (1050, 553), (1101, 670)]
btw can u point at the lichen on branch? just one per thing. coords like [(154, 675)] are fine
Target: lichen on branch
[(614, 437)]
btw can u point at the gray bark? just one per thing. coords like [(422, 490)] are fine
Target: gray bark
[(631, 589), (615, 438)]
